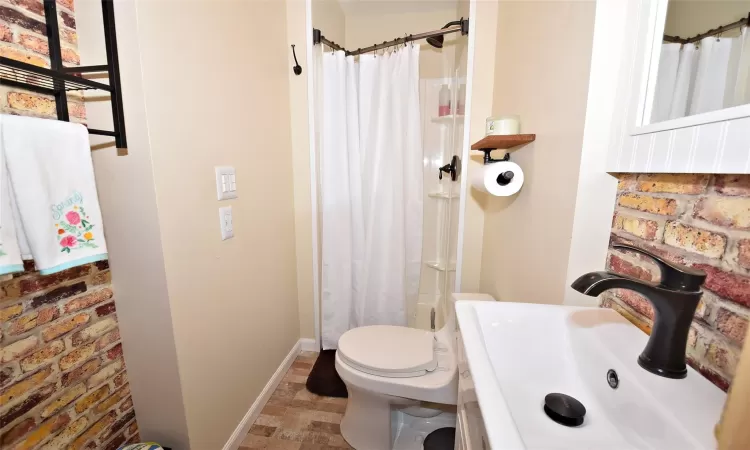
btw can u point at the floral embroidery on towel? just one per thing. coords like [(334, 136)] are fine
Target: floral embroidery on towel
[(73, 226)]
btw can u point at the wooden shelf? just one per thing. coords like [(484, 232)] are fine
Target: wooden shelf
[(503, 142)]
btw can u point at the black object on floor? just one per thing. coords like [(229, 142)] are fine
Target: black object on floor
[(440, 439), (323, 379)]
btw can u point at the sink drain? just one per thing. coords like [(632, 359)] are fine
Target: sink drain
[(564, 409)]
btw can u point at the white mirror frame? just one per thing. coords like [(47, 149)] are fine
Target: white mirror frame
[(712, 142)]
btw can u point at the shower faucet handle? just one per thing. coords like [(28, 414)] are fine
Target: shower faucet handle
[(432, 319), (454, 169)]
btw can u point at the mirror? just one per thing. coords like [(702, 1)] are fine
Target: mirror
[(703, 59)]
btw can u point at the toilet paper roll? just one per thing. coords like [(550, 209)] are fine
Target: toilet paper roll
[(500, 179)]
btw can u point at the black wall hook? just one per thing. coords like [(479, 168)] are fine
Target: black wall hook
[(297, 68)]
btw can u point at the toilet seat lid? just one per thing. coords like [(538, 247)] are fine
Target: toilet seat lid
[(389, 351)]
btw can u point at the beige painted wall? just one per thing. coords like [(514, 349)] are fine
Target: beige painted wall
[(205, 322), (384, 21), (234, 302), (687, 18), (328, 17), (483, 82), (542, 71)]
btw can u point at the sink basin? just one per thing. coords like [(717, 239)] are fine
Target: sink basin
[(518, 353)]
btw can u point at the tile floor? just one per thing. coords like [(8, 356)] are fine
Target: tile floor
[(296, 419)]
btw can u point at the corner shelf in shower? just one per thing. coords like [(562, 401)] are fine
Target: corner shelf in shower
[(441, 266), (442, 195), (449, 119), (503, 142)]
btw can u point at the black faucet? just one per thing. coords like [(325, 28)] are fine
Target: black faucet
[(674, 298)]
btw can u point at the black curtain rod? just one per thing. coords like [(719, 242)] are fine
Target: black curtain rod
[(678, 40), (461, 26)]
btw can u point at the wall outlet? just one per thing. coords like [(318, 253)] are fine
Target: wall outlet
[(225, 222), (226, 182)]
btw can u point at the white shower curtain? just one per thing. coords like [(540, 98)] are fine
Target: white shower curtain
[(696, 79), (371, 188)]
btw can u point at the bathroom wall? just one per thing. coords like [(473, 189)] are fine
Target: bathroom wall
[(702, 221), (62, 376), (527, 236), (687, 18), (374, 22)]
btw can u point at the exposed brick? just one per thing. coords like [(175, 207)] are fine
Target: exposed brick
[(41, 282), (626, 181), (88, 300), (34, 6), (67, 19), (119, 425), (45, 430), (47, 315), (10, 312), (733, 212), (132, 429), (732, 325), (93, 431), (106, 309), (77, 109), (649, 204), (711, 375), (91, 398), (18, 349), (64, 326), (732, 184), (43, 356), (126, 405), (58, 294), (94, 330), (729, 285), (23, 56), (23, 324), (7, 375), (66, 4), (112, 400), (69, 35), (696, 240), (634, 318), (34, 43), (114, 352), (76, 356), (102, 265), (81, 373), (619, 265), (24, 386), (743, 250), (673, 183), (121, 379), (104, 374), (108, 339), (37, 104), (637, 302), (5, 33), (642, 228), (10, 15), (61, 441), (115, 443), (8, 415), (64, 400), (17, 432), (70, 55), (721, 358)]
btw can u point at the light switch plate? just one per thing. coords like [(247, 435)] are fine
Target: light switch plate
[(225, 222), (226, 182)]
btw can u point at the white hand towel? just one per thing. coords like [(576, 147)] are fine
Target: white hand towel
[(52, 177)]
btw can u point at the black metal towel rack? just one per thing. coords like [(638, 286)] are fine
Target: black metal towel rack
[(58, 80)]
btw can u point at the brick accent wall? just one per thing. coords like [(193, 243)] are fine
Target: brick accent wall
[(701, 221), (63, 383)]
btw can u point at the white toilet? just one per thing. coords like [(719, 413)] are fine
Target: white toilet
[(390, 369)]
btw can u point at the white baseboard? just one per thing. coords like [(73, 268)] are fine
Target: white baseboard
[(308, 345), (244, 426)]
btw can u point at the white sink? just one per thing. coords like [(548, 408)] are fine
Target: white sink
[(519, 352)]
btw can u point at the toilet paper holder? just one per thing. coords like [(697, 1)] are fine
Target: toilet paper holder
[(488, 159)]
